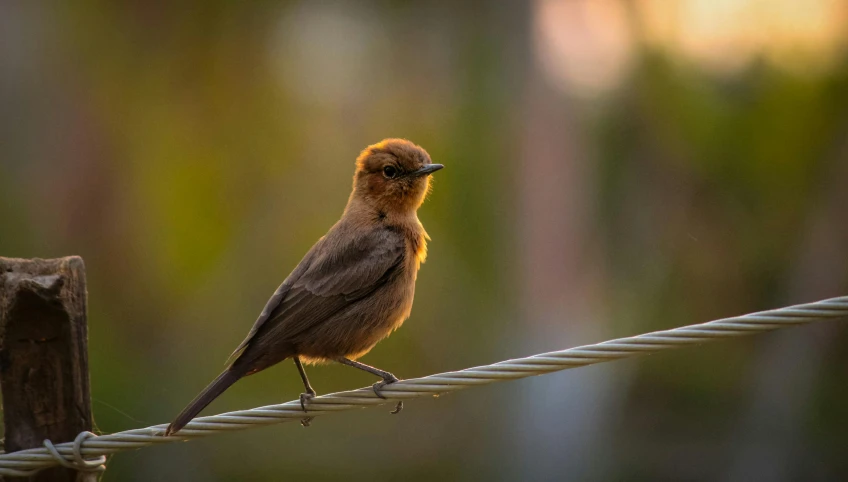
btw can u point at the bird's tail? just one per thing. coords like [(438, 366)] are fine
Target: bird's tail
[(211, 392)]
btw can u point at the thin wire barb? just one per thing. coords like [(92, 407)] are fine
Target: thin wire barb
[(32, 460)]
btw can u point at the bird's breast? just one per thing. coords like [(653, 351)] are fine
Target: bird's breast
[(354, 332)]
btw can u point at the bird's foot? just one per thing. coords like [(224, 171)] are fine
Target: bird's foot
[(387, 380), (306, 397)]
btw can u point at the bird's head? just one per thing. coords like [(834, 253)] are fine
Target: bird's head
[(393, 176)]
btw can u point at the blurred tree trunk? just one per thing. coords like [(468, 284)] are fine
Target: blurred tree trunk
[(560, 421)]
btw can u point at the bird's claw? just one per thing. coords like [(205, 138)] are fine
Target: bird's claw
[(305, 397), (382, 383), (378, 391)]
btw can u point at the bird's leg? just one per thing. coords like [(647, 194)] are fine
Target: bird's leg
[(310, 392), (386, 376)]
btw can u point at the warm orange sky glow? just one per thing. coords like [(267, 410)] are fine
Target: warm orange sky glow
[(586, 46), (725, 35)]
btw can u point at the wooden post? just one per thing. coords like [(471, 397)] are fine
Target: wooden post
[(44, 355)]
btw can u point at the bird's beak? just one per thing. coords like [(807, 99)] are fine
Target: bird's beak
[(428, 169)]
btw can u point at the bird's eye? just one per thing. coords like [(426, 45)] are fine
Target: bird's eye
[(390, 172)]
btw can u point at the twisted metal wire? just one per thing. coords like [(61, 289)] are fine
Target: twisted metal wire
[(27, 462)]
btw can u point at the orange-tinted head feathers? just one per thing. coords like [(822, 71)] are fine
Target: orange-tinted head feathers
[(393, 176)]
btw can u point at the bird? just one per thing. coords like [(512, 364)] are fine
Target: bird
[(352, 289)]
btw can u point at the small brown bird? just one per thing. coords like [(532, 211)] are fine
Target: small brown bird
[(354, 286)]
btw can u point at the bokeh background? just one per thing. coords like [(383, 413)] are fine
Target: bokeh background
[(613, 167)]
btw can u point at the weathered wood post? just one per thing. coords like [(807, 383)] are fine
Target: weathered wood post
[(44, 355)]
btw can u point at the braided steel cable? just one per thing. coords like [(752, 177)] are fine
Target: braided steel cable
[(27, 462)]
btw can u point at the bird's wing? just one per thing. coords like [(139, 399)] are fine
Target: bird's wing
[(335, 273)]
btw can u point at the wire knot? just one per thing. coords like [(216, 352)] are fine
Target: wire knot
[(91, 467)]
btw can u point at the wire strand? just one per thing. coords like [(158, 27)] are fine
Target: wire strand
[(32, 460)]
